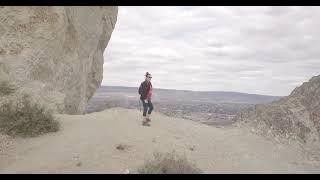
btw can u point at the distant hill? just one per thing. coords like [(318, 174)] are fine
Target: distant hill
[(195, 96)]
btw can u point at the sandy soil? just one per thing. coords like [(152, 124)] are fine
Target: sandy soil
[(87, 144)]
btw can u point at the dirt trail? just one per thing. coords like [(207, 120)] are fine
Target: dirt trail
[(87, 144)]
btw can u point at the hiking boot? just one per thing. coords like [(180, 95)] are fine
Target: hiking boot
[(144, 123)]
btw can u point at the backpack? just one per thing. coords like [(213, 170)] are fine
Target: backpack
[(140, 89)]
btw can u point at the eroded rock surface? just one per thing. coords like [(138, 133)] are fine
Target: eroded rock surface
[(296, 116), (55, 53)]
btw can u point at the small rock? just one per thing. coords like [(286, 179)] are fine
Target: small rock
[(126, 171), (79, 164), (76, 158), (269, 131), (192, 148)]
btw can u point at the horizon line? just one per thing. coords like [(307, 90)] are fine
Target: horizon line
[(193, 90)]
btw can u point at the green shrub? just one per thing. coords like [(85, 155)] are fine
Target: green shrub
[(20, 117), (168, 163)]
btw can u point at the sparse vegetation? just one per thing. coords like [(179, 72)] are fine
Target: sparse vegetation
[(192, 148), (6, 88), (21, 117), (169, 163), (122, 147)]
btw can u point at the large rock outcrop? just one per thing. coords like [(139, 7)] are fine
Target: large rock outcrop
[(296, 116), (55, 53)]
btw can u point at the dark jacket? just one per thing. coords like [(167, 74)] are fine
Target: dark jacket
[(144, 88)]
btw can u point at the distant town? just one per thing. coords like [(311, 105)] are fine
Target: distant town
[(212, 108)]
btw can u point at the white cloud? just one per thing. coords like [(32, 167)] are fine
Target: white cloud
[(263, 50)]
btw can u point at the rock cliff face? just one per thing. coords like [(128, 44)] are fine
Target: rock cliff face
[(296, 116), (55, 53)]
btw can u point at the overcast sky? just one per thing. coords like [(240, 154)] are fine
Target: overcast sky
[(258, 50)]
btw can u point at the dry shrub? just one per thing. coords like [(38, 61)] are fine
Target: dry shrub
[(24, 118), (6, 88), (122, 147), (169, 163)]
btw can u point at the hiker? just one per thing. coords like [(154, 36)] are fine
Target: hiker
[(145, 91)]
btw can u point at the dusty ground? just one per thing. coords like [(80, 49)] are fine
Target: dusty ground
[(87, 144)]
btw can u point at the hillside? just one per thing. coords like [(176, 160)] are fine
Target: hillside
[(295, 117), (87, 144)]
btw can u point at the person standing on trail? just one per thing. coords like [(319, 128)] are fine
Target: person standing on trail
[(145, 91)]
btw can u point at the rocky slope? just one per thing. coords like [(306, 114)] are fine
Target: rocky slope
[(55, 53), (295, 117)]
